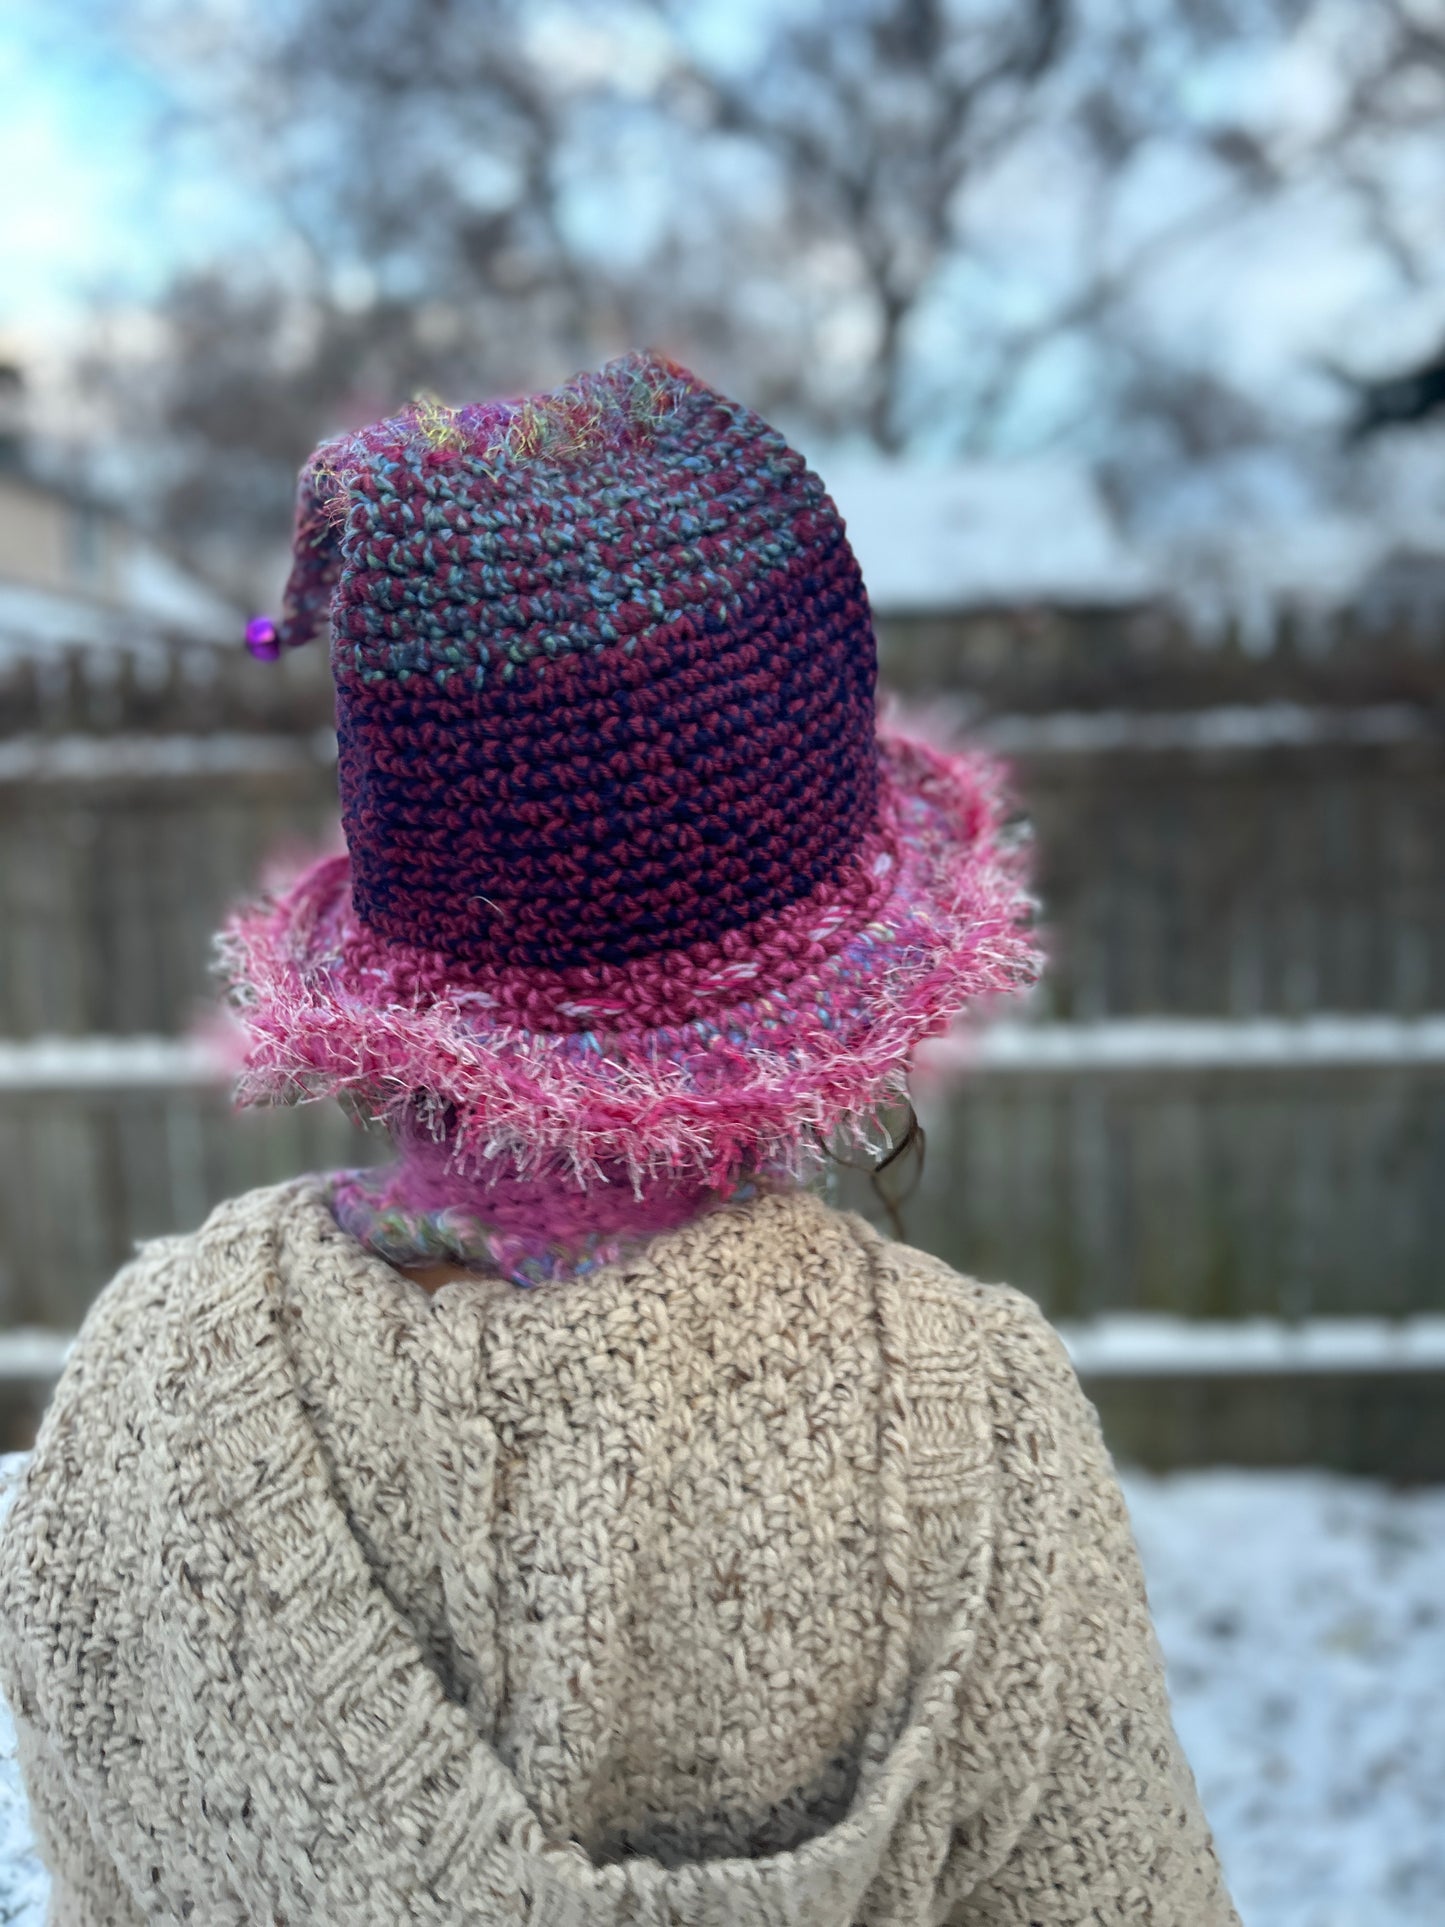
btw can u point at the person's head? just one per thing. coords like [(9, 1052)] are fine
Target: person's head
[(637, 889)]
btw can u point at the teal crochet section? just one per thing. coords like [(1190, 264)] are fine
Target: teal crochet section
[(481, 538)]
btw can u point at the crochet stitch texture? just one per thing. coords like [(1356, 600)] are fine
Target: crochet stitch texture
[(777, 1577), (634, 880), (604, 685)]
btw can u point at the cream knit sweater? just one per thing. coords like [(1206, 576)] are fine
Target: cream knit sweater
[(779, 1577)]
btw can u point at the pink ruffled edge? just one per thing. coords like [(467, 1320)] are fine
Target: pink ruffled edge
[(764, 1083)]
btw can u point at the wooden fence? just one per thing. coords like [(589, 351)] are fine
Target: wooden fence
[(1272, 876), (1223, 1189), (1234, 837), (1217, 1190)]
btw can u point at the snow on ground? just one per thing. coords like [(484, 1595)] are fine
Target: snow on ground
[(1303, 1620), (23, 1885)]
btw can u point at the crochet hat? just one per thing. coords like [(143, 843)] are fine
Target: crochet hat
[(633, 875)]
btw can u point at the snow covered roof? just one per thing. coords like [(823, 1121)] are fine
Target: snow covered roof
[(157, 597), (154, 585), (74, 569), (937, 539)]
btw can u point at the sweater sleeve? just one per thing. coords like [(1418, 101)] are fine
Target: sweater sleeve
[(64, 1522), (1115, 1831), (86, 1889)]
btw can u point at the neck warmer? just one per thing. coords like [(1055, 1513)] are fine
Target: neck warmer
[(429, 1207)]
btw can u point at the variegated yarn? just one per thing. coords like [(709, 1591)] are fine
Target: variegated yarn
[(634, 882)]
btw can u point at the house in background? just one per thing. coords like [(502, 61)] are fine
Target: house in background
[(74, 570)]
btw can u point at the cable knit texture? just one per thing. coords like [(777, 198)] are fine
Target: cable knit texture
[(774, 1576)]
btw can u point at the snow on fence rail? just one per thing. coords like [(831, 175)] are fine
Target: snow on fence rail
[(40, 1064), (1233, 726), (130, 755), (31, 1355), (1144, 1045), (1160, 1345), (1142, 1345), (80, 757), (1149, 1044)]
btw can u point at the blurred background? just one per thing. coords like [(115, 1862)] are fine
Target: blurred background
[(1117, 328)]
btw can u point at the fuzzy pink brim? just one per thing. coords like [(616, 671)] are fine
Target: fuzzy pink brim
[(940, 920)]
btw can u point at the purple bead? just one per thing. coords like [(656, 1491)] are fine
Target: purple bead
[(262, 640)]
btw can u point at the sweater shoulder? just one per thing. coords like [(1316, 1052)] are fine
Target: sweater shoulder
[(1021, 1363), (157, 1287), (91, 1482), (1006, 1317)]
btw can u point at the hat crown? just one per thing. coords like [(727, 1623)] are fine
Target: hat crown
[(605, 670)]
